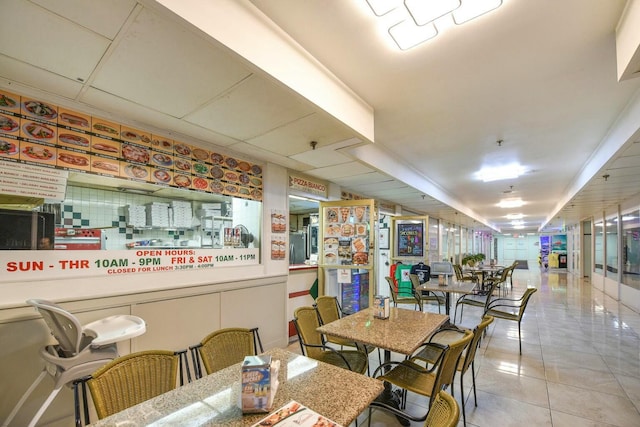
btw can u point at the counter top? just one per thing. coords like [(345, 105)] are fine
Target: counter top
[(295, 267)]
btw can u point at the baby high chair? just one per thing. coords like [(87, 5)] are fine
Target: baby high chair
[(79, 352)]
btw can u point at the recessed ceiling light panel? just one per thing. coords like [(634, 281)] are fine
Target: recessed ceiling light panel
[(511, 203)]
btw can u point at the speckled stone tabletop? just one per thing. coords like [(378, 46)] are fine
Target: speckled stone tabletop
[(403, 332), (214, 400), (460, 287)]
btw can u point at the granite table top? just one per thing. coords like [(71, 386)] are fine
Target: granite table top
[(403, 332), (214, 400)]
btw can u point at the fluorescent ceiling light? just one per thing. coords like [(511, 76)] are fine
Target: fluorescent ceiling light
[(496, 173), (517, 222), (515, 216), (407, 34), (471, 9), (412, 22), (518, 227), (424, 12), (511, 203)]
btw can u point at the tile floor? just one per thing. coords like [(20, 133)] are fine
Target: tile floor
[(580, 363)]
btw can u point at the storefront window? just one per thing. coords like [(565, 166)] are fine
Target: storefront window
[(599, 247), (631, 249), (611, 232)]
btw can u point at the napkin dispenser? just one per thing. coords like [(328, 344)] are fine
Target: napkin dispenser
[(381, 307), (259, 383)]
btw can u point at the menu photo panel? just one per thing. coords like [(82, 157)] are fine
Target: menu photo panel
[(346, 233)]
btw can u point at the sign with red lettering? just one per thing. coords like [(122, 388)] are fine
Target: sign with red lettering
[(39, 265)]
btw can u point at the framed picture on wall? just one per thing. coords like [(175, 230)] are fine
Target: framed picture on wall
[(383, 238)]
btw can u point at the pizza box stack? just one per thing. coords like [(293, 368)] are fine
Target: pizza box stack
[(135, 215), (182, 213), (158, 214), (259, 383)]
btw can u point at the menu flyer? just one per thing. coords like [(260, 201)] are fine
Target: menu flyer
[(294, 414)]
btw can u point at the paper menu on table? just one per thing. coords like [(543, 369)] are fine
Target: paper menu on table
[(293, 414)]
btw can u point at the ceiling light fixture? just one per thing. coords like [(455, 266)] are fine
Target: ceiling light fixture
[(497, 173), (412, 22), (515, 216), (511, 203)]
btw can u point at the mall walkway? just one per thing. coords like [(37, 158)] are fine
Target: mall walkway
[(580, 363)]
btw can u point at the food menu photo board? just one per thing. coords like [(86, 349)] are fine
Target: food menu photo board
[(33, 131), (410, 237), (346, 233)]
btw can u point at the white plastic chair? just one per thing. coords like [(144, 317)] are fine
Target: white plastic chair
[(79, 352)]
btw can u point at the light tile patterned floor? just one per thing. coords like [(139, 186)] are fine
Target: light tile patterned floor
[(580, 363)]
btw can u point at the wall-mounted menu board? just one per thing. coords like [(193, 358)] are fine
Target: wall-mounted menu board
[(347, 236), (36, 132)]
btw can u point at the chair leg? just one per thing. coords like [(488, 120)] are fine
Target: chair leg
[(24, 398), (464, 415), (45, 405), (473, 380), (519, 338)]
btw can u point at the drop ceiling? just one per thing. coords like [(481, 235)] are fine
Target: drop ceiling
[(538, 76)]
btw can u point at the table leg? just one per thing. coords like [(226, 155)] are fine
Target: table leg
[(389, 396), (447, 302)]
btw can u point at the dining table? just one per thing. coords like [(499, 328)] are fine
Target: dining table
[(404, 331), (448, 287), (214, 400), (483, 270)]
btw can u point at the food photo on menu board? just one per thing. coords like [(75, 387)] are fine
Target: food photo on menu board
[(9, 147), (73, 119), (40, 110), (104, 166), (105, 147), (9, 102), (9, 124), (72, 139)]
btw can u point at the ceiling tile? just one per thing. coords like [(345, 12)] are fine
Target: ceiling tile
[(34, 77), (159, 64), (344, 170), (105, 17), (62, 47), (294, 138), (251, 108)]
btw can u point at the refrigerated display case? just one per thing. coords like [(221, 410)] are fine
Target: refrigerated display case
[(355, 295)]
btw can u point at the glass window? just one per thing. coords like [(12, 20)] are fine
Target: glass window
[(599, 246), (611, 233), (631, 249)]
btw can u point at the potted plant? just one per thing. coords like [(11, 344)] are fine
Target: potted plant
[(472, 259)]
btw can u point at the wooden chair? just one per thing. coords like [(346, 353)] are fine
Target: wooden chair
[(132, 379), (313, 343), (436, 297), (444, 411), (223, 348), (510, 309), (415, 300)]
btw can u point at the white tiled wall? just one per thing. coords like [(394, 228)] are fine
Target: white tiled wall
[(96, 208)]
